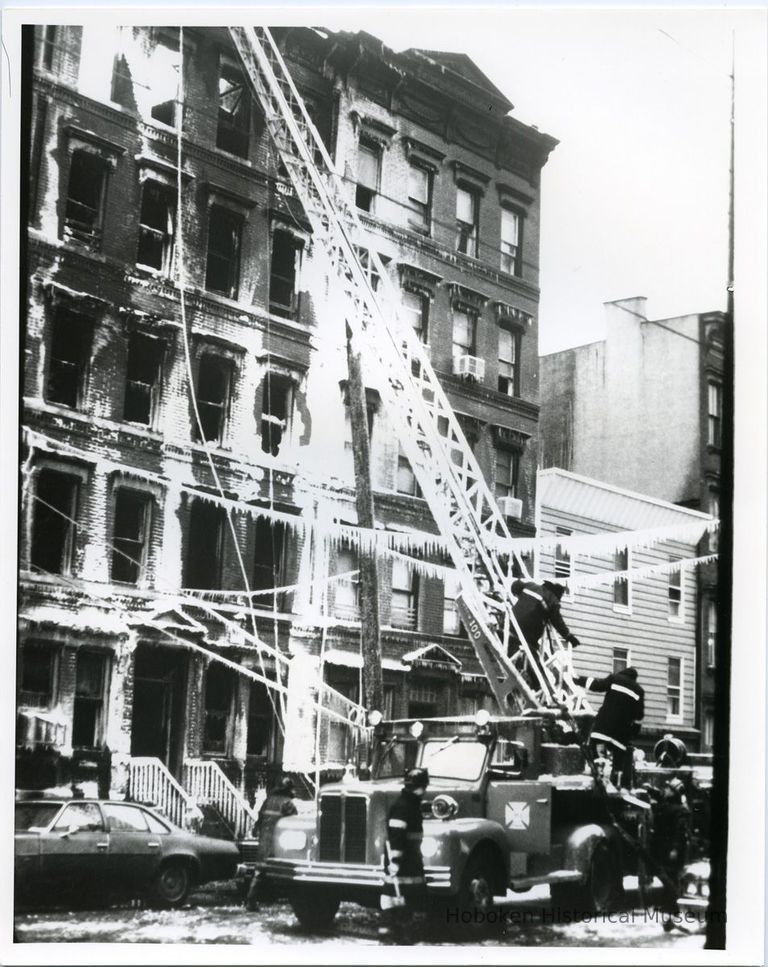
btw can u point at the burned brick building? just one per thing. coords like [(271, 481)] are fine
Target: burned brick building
[(188, 485)]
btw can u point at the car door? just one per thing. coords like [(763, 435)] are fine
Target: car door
[(134, 850), (73, 853)]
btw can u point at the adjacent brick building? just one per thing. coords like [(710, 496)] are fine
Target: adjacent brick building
[(124, 382)]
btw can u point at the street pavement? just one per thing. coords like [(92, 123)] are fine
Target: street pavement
[(214, 915)]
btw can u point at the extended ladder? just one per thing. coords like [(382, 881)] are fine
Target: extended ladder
[(463, 507)]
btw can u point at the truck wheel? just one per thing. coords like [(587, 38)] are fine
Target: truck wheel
[(600, 891), (315, 909), (477, 884)]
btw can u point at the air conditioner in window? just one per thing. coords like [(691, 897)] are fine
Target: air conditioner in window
[(511, 507), (473, 367)]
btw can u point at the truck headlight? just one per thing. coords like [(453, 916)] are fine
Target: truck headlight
[(444, 807), (704, 889), (429, 846), (292, 839)]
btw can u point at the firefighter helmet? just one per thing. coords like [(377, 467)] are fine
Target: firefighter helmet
[(416, 779)]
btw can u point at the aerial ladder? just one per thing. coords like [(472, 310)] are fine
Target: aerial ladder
[(464, 509)]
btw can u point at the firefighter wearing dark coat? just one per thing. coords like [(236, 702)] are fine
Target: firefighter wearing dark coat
[(537, 606), (405, 831), (278, 803), (618, 720)]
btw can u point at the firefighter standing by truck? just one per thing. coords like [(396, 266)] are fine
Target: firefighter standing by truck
[(405, 831), (278, 803)]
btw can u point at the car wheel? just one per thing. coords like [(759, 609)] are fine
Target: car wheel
[(315, 909), (171, 885)]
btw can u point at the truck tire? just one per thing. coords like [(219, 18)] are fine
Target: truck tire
[(314, 909), (601, 889), (479, 884)]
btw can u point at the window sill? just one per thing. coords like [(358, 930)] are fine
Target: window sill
[(622, 609), (675, 621), (676, 720)]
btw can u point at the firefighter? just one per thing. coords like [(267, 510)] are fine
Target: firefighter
[(537, 606), (672, 829), (405, 831), (617, 721), (278, 803)]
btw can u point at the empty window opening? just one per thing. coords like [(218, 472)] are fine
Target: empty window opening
[(467, 208), (510, 245), (142, 379), (275, 412), (621, 585), (88, 715), (509, 362), (234, 121), (213, 386), (156, 227), (368, 176), (405, 590), (223, 261), (131, 531), (419, 197), (54, 530), (284, 275), (164, 74), (268, 560), (84, 211), (70, 348), (219, 704), (38, 668), (205, 544)]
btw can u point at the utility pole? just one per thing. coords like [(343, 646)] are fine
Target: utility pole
[(370, 633)]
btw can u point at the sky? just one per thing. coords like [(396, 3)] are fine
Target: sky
[(635, 196)]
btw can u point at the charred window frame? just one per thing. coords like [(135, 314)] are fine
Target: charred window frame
[(90, 699), (86, 193), (70, 350), (234, 115), (218, 710), (143, 378), (276, 412), (204, 553), (507, 472), (225, 233), (405, 596), (369, 156), (510, 341), (38, 674), (261, 723), (285, 270), (54, 525), (157, 227), (213, 393), (130, 539)]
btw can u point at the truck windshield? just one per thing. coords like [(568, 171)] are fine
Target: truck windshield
[(394, 758), (453, 759)]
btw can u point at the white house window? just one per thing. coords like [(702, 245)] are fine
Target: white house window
[(621, 589), (510, 236), (404, 595), (675, 593), (620, 659), (674, 688), (467, 209), (715, 418)]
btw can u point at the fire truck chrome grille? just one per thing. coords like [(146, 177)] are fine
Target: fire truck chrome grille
[(355, 828), (343, 829)]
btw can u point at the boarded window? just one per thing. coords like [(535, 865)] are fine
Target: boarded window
[(213, 385), (131, 533), (157, 227), (84, 210), (71, 338), (38, 666), (276, 406), (54, 529), (368, 175), (419, 197), (219, 702), (223, 261), (621, 585), (509, 362), (405, 587), (284, 275), (467, 208), (142, 378), (205, 542), (88, 716), (510, 236), (234, 119)]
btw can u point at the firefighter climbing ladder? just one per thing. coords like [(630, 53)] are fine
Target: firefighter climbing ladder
[(463, 507)]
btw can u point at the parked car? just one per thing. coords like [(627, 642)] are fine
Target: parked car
[(66, 849)]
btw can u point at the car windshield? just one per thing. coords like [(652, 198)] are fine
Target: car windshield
[(453, 759), (32, 816)]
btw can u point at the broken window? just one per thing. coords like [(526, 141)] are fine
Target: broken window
[(223, 261), (131, 531), (419, 197), (368, 175), (205, 544), (509, 362), (70, 348), (284, 275), (54, 529), (213, 385), (275, 412), (142, 381), (234, 119), (84, 209), (88, 715), (38, 667), (164, 76), (156, 227), (405, 585), (510, 236), (268, 558), (467, 209), (219, 703)]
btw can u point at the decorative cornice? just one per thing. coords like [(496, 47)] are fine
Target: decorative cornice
[(511, 315), (463, 295)]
